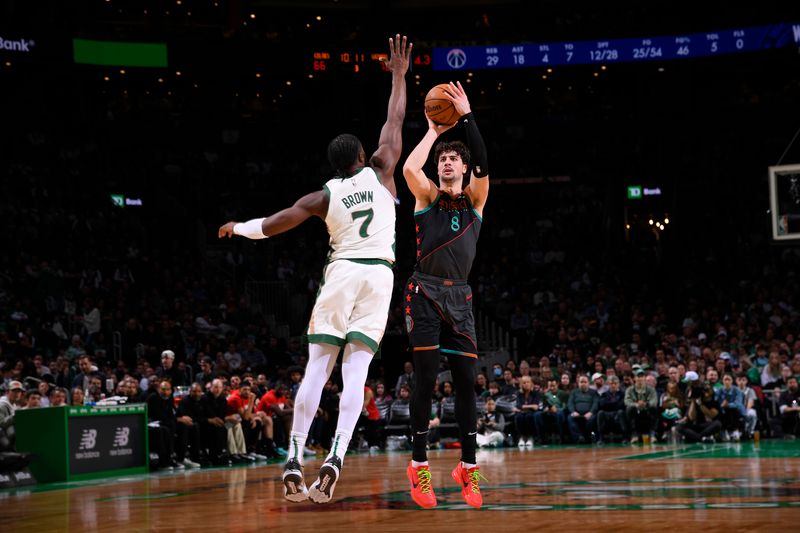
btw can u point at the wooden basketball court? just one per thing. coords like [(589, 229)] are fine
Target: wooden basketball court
[(744, 486)]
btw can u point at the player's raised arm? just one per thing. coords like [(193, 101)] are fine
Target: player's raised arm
[(390, 144), (423, 189), (313, 204), (478, 188)]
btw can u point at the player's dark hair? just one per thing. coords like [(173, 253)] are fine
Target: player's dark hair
[(343, 153), (452, 146)]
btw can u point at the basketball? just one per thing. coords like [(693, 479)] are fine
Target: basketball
[(438, 107)]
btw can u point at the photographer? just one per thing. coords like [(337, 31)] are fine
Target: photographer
[(702, 416), (490, 427)]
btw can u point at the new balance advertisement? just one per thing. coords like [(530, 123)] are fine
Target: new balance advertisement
[(105, 443)]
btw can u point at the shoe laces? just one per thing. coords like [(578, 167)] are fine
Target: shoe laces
[(474, 480), (424, 481)]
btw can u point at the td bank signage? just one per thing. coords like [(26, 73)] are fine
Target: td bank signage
[(637, 192), (16, 45)]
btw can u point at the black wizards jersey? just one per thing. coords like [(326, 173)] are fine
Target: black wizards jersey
[(447, 237)]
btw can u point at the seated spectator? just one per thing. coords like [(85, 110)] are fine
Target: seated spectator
[(528, 404), (324, 425), (242, 402), (789, 406), (599, 384), (132, 392), (731, 403), (44, 387), (399, 413), (712, 378), (276, 403), (640, 408), (582, 407), (490, 427), (771, 373), (75, 349), (190, 416), (509, 385), (169, 370), (212, 429), (369, 420), (406, 378), (161, 409), (611, 411), (206, 373), (554, 403), (83, 379), (702, 414), (748, 408), (233, 358), (480, 384), (33, 399), (77, 397), (58, 397), (253, 358), (434, 425), (8, 408), (672, 406), (493, 391)]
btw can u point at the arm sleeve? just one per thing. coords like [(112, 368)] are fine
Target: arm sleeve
[(477, 148)]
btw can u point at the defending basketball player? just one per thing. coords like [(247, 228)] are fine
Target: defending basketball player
[(438, 300), (352, 307)]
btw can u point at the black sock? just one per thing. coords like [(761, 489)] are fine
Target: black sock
[(462, 369), (426, 364)]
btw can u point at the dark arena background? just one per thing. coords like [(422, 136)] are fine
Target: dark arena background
[(643, 221)]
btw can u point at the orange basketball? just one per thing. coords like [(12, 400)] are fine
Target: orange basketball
[(438, 107)]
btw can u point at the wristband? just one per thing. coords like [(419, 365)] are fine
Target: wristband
[(250, 229)]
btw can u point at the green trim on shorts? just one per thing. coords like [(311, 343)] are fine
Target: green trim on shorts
[(383, 262), (358, 336), (323, 338)]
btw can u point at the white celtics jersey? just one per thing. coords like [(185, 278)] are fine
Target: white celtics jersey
[(361, 217)]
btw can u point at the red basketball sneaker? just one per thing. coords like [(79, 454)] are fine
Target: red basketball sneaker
[(421, 488), (468, 480)]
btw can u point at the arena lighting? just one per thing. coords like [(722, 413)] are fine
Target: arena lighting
[(666, 220), (650, 221)]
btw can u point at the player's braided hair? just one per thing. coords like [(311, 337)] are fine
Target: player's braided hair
[(343, 152)]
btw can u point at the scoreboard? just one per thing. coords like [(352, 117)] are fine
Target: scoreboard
[(694, 45), (360, 61)]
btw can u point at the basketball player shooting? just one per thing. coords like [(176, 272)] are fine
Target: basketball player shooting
[(352, 307), (438, 300)]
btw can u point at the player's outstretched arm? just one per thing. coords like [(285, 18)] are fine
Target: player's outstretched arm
[(390, 143), (313, 204), (423, 189)]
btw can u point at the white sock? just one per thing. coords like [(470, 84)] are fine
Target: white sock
[(297, 441), (417, 464), (339, 446), (355, 365), (467, 466)]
